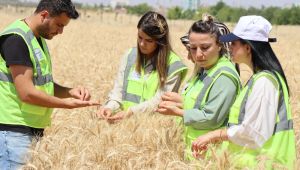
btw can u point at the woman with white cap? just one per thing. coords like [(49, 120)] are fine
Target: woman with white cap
[(260, 120)]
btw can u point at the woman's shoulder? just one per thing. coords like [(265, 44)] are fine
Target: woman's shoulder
[(223, 79), (225, 83), (266, 78), (225, 70), (131, 52), (173, 56)]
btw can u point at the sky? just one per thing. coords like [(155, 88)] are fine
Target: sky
[(182, 3)]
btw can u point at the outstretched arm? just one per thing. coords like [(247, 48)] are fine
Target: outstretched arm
[(22, 77)]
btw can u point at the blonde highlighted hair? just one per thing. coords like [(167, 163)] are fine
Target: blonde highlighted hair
[(156, 27)]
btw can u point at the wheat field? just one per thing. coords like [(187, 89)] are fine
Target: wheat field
[(88, 54)]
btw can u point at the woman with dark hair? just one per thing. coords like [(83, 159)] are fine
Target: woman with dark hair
[(146, 72), (260, 120), (223, 30), (208, 95)]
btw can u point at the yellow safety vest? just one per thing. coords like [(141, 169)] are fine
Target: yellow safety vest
[(12, 110), (136, 88), (280, 148), (196, 94)]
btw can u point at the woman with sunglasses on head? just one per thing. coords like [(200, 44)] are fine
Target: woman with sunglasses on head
[(260, 120), (146, 72), (205, 101)]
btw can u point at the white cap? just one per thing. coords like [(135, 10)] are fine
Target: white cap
[(252, 27)]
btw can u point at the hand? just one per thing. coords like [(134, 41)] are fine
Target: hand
[(80, 93), (72, 103), (104, 113), (119, 116), (172, 96), (199, 146), (170, 108)]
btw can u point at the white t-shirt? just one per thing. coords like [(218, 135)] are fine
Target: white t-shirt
[(260, 116)]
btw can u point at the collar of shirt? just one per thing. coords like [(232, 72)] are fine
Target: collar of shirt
[(202, 74), (149, 65)]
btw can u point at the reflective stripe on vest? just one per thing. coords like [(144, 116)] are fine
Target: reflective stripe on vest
[(208, 81), (130, 61), (39, 80), (284, 123), (5, 77), (280, 148), (15, 111), (196, 93), (172, 68)]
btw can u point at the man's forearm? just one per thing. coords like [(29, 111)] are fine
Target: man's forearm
[(40, 98)]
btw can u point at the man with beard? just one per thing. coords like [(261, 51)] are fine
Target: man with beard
[(28, 93)]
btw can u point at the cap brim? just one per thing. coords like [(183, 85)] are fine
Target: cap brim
[(229, 37), (272, 40)]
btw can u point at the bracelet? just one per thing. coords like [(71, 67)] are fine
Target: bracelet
[(221, 135)]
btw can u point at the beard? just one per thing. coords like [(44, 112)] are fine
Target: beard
[(44, 31)]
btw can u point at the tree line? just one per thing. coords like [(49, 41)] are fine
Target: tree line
[(226, 13)]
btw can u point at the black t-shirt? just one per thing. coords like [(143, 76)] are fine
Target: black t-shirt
[(14, 50)]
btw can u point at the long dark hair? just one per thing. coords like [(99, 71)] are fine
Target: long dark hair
[(156, 27), (264, 58)]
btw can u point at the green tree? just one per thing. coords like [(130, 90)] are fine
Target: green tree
[(236, 13), (281, 17), (139, 9), (269, 12), (174, 13), (200, 12), (294, 18), (188, 14), (254, 11), (224, 14), (215, 9)]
